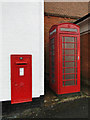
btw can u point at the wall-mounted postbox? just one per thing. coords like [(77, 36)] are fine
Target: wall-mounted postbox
[(21, 78)]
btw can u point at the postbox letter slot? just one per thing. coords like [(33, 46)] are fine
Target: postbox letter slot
[(18, 63)]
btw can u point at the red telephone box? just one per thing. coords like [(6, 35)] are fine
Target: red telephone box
[(21, 78), (64, 58)]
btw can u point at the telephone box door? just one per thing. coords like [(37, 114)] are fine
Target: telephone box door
[(70, 63), (21, 78)]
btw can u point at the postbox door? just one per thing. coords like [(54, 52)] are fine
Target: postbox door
[(69, 63), (21, 78)]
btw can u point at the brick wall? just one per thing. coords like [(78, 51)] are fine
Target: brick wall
[(85, 76), (48, 22)]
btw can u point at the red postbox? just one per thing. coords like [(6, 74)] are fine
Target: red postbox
[(21, 78), (64, 58)]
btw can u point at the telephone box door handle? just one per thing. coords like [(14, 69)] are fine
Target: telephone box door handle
[(78, 57)]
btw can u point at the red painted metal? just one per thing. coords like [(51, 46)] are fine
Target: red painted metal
[(58, 82), (21, 81)]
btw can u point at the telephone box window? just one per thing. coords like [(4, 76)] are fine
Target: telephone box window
[(52, 51), (68, 29)]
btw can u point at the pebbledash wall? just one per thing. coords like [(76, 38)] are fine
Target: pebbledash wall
[(21, 32), (84, 24), (60, 12)]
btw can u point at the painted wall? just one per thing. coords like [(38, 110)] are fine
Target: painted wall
[(21, 32)]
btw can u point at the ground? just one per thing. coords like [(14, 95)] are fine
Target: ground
[(69, 106)]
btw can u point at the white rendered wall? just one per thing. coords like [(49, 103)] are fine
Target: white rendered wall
[(21, 32)]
